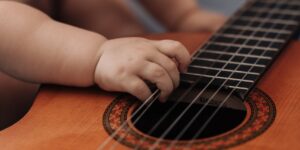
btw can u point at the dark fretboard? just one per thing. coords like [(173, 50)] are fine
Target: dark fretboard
[(238, 54)]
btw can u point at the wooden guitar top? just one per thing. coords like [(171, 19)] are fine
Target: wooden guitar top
[(72, 118)]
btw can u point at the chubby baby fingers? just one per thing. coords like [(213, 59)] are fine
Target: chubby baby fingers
[(137, 87), (175, 49), (168, 64), (158, 75)]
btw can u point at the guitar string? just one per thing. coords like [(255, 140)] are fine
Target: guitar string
[(174, 123), (134, 122), (159, 122), (165, 115), (217, 110), (177, 102), (203, 127), (166, 132), (197, 114), (180, 98), (148, 100), (211, 118), (133, 115)]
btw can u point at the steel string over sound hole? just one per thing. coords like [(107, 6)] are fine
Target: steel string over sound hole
[(158, 118)]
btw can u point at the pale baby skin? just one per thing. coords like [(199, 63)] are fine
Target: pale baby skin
[(81, 49)]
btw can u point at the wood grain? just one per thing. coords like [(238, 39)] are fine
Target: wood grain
[(71, 118)]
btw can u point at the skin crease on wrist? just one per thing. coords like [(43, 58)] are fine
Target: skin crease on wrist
[(135, 59)]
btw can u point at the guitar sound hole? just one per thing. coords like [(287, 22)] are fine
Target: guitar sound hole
[(225, 120)]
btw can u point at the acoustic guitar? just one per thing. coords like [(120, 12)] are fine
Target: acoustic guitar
[(231, 96)]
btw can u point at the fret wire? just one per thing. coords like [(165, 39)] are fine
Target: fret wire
[(218, 77), (198, 52), (238, 87), (264, 51), (286, 31), (231, 62), (285, 12), (258, 47), (236, 46), (251, 47), (200, 131), (288, 22), (242, 46), (101, 147), (172, 125), (244, 55), (258, 59), (264, 22), (258, 29), (156, 142), (279, 2), (220, 69), (246, 37), (228, 22)]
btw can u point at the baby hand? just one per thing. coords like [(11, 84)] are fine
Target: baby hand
[(126, 63)]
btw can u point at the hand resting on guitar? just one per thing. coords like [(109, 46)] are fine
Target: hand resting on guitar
[(124, 63), (37, 49)]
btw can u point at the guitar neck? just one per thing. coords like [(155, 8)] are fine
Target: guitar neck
[(237, 55)]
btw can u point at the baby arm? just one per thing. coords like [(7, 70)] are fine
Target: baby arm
[(37, 49), (184, 15)]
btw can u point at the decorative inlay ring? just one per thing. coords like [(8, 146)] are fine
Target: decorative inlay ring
[(261, 113)]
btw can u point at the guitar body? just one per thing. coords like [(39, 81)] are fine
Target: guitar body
[(74, 118)]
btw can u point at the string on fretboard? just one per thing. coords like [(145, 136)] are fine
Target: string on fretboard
[(242, 50)]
